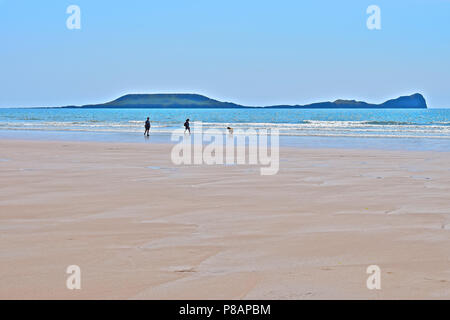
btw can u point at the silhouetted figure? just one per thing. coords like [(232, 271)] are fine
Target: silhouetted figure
[(147, 127), (187, 127), (230, 130)]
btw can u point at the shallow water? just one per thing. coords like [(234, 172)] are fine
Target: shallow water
[(411, 144), (411, 129)]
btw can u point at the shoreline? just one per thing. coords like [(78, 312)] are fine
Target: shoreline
[(301, 142)]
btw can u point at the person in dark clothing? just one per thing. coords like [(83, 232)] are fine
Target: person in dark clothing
[(147, 127), (187, 127)]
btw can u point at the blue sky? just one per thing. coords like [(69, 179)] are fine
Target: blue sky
[(249, 52)]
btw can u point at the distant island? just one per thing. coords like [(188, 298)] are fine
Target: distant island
[(182, 100)]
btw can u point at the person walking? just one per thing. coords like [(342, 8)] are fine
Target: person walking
[(187, 127), (147, 127)]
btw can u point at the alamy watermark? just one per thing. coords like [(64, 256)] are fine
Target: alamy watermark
[(374, 20), (74, 20), (73, 282), (213, 147), (374, 280)]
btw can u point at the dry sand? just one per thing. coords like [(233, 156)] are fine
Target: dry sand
[(142, 228)]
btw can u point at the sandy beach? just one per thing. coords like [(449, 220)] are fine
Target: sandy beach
[(141, 227)]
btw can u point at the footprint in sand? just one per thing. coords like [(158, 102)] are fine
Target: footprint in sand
[(420, 178), (182, 269), (371, 175), (161, 168), (320, 165), (439, 280), (326, 268)]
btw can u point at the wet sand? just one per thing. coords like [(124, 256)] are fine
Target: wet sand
[(141, 227)]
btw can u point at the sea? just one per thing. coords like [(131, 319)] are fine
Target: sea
[(409, 129)]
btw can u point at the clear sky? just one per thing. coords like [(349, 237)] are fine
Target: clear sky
[(252, 52)]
